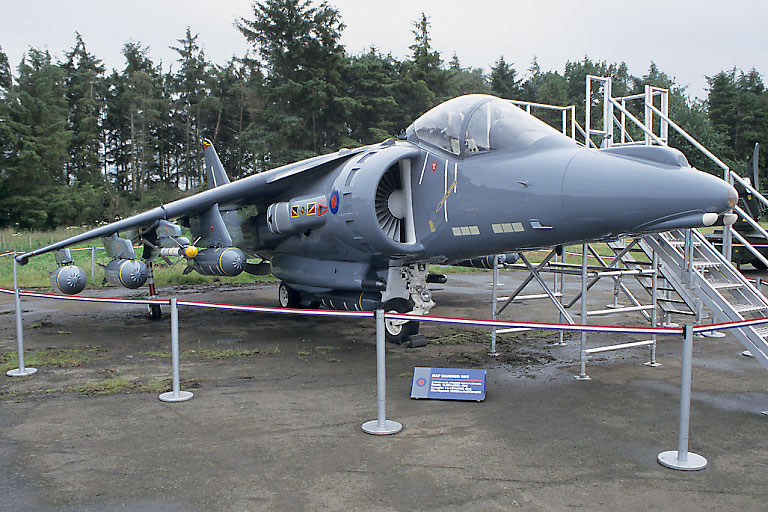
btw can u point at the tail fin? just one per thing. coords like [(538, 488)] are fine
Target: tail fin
[(214, 171), (752, 167)]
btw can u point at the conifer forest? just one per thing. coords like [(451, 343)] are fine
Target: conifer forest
[(81, 144)]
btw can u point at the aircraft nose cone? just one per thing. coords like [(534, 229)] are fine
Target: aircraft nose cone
[(733, 197), (616, 195)]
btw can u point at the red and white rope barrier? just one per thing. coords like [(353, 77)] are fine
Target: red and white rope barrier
[(664, 331)]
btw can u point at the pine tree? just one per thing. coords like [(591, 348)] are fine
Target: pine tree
[(6, 79), (35, 165), (504, 81), (190, 90), (306, 106), (84, 76)]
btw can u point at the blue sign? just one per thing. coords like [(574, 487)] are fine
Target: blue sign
[(448, 383)]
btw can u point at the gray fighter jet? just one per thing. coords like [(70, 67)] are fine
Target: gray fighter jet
[(357, 229)]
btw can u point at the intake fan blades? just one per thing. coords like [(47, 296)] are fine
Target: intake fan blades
[(390, 205)]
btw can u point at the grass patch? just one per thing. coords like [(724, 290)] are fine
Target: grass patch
[(207, 354), (108, 386), (56, 358), (468, 358), (35, 273), (322, 350), (451, 336), (117, 385)]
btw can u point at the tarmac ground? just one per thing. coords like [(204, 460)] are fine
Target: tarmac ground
[(275, 421)]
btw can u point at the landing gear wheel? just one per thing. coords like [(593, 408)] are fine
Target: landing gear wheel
[(289, 298), (396, 332), (155, 313)]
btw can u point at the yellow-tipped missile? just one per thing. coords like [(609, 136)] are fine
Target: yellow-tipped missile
[(190, 251)]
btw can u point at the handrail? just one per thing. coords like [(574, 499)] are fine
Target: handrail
[(632, 141), (749, 188), (690, 139), (637, 122), (541, 105), (581, 130), (750, 247)]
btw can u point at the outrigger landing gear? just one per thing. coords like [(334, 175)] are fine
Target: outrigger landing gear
[(155, 313), (289, 298)]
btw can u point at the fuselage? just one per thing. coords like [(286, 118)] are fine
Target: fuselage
[(504, 183)]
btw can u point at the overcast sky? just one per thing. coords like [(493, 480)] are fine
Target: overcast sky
[(687, 40)]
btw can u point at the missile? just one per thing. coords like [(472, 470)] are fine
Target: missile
[(223, 261), (126, 273), (68, 279)]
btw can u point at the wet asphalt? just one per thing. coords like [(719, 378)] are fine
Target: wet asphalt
[(280, 430)]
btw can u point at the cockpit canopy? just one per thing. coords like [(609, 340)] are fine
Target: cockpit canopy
[(478, 123)]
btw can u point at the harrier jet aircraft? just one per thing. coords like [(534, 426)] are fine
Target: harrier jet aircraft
[(357, 229)]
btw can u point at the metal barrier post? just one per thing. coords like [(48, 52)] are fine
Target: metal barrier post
[(681, 458), (93, 263), (495, 296), (381, 426), (176, 395), (582, 345), (21, 371)]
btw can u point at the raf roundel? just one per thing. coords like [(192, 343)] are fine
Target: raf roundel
[(335, 202)]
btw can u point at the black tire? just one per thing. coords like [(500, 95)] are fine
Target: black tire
[(288, 297), (155, 313), (394, 333)]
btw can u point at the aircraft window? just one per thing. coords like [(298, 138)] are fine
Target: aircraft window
[(441, 126), (500, 124)]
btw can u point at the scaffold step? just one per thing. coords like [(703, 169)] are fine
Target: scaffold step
[(748, 308), (682, 242), (670, 301), (724, 285), (705, 263), (761, 330)]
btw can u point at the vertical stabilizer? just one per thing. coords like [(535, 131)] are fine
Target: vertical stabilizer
[(214, 171), (753, 165)]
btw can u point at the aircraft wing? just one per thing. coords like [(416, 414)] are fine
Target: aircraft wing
[(251, 190)]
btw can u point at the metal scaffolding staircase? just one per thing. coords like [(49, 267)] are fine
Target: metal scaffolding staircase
[(699, 273), (668, 299)]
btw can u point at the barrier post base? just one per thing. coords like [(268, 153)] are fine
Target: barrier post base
[(693, 462), (747, 353), (713, 334), (170, 396), (582, 377), (390, 427), (21, 373), (652, 364)]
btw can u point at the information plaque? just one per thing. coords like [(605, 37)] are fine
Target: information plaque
[(448, 383)]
